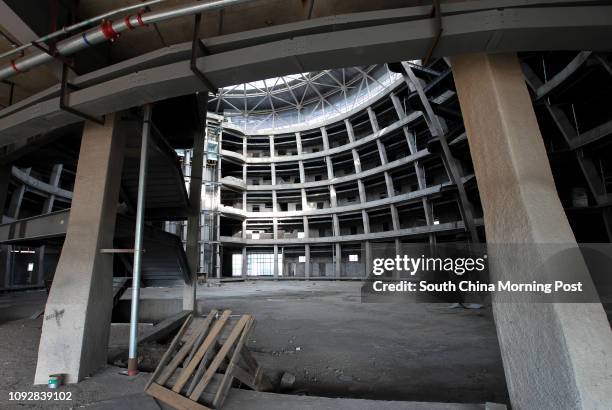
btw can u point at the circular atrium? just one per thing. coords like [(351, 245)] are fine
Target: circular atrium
[(306, 204)]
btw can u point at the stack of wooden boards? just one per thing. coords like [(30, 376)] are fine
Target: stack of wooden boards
[(205, 357)]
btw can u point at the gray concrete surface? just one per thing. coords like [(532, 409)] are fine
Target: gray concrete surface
[(79, 307), (556, 355), (338, 347), (319, 331)]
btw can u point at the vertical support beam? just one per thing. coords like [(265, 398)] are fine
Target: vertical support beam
[(373, 120), (338, 264), (298, 142), (302, 172), (307, 261), (138, 242), (333, 200), (272, 150), (195, 208), (325, 138), (362, 194), (349, 130), (306, 227), (76, 326), (330, 168), (275, 261), (573, 339), (304, 199), (245, 261)]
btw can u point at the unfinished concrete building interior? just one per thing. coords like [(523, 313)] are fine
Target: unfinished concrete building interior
[(194, 193)]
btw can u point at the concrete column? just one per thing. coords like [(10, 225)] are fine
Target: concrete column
[(362, 194), (273, 173), (555, 355), (306, 228), (245, 262), (298, 142), (244, 147), (307, 264), (349, 130), (275, 261), (373, 119), (389, 184), (272, 153), (77, 318), (338, 264), (366, 221), (330, 168), (304, 199), (325, 138), (395, 218), (382, 153), (302, 172), (274, 203), (336, 225), (367, 260), (333, 200), (357, 161)]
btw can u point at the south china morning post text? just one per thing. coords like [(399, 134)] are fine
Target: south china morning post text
[(459, 274)]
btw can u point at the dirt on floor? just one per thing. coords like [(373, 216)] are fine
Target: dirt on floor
[(320, 332)]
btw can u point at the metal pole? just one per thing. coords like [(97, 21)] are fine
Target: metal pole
[(110, 31), (138, 250)]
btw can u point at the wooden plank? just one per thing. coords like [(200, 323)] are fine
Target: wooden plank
[(248, 360), (208, 342), (164, 328), (176, 360), (212, 369), (244, 376), (171, 349), (201, 369), (173, 399), (226, 383)]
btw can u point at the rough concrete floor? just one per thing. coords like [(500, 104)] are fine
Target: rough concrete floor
[(337, 346), (320, 332)]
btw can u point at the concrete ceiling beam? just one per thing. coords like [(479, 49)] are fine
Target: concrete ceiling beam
[(492, 31)]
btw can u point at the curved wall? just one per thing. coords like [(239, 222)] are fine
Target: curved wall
[(312, 204)]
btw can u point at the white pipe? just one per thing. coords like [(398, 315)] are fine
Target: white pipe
[(110, 31), (138, 242), (74, 27)]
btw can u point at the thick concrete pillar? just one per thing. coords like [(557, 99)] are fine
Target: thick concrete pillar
[(556, 356), (78, 313)]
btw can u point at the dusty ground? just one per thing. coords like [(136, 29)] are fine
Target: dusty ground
[(320, 332), (337, 346)]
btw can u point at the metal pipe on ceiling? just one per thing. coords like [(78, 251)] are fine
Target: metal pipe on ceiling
[(79, 25), (110, 31)]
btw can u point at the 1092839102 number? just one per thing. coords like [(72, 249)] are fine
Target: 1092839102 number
[(40, 396)]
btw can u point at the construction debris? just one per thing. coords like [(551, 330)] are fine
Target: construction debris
[(205, 357)]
